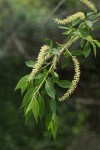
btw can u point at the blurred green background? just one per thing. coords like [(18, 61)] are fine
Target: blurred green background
[(23, 26)]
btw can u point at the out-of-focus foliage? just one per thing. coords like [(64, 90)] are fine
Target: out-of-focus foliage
[(26, 19), (22, 18)]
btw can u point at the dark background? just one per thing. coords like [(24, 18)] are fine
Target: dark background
[(23, 26)]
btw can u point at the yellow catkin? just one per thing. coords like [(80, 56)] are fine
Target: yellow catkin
[(89, 4), (39, 62), (74, 81), (54, 63), (71, 18), (69, 43)]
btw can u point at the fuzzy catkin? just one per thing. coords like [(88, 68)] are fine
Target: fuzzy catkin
[(54, 63), (74, 81), (89, 4), (69, 43), (71, 18), (39, 62)]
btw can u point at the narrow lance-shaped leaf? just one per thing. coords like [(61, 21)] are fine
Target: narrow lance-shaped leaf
[(41, 106), (35, 109), (65, 62), (82, 43), (97, 43), (30, 85), (23, 83), (89, 23), (53, 105), (48, 120), (77, 53), (64, 83), (55, 76), (23, 88), (49, 86), (86, 49), (28, 97), (29, 107), (28, 116), (54, 126), (94, 47), (89, 38), (30, 63), (75, 22)]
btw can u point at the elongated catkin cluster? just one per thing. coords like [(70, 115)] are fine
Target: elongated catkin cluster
[(69, 43), (89, 4), (54, 63), (71, 18), (39, 61), (74, 81)]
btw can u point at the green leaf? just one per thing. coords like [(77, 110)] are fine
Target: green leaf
[(76, 32), (77, 53), (23, 83), (83, 33), (53, 105), (29, 107), (94, 47), (41, 106), (38, 76), (75, 22), (67, 32), (49, 42), (64, 83), (23, 88), (28, 97), (30, 63), (54, 126), (32, 92), (89, 38), (27, 116), (86, 49), (66, 54), (65, 62), (43, 76), (55, 76), (97, 43), (90, 13), (30, 85), (35, 109), (55, 51), (89, 23), (98, 15), (48, 120), (49, 86), (82, 43)]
